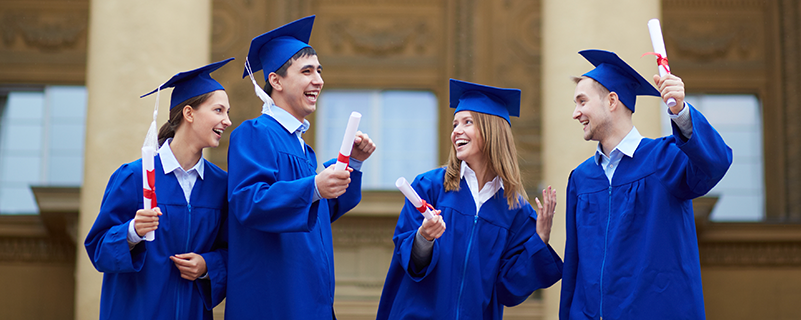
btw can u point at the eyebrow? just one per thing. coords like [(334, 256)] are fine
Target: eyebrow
[(311, 66)]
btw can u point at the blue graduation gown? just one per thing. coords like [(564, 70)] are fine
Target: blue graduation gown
[(144, 283), (632, 251), (281, 257), (481, 263)]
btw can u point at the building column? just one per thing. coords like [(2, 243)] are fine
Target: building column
[(569, 26), (133, 47)]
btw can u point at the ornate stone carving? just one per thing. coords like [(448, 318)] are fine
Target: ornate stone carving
[(701, 41), (47, 32), (378, 39), (751, 254), (363, 231), (36, 250)]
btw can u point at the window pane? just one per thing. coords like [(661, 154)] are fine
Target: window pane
[(738, 119), (401, 123)]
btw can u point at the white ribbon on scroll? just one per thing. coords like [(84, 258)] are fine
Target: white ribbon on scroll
[(659, 48), (414, 198), (347, 141)]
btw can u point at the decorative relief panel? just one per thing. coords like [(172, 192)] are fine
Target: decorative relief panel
[(43, 41), (379, 37), (36, 250), (751, 254)]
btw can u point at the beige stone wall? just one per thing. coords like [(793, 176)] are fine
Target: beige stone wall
[(569, 26), (133, 47)]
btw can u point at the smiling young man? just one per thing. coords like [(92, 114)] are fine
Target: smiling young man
[(631, 249), (281, 210)]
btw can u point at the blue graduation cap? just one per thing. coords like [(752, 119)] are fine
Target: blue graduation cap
[(272, 49), (500, 102), (617, 76), (192, 83)]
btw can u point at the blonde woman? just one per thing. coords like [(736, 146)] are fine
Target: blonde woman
[(486, 248)]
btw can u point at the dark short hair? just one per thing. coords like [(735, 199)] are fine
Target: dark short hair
[(305, 52)]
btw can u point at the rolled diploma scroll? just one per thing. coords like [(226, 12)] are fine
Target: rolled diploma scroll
[(148, 165), (410, 194), (347, 142), (659, 47)]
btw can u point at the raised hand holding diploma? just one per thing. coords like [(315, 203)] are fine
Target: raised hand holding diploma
[(421, 205), (659, 51), (149, 149), (347, 141)]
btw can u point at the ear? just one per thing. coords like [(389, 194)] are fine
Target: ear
[(275, 81), (613, 101), (189, 113)]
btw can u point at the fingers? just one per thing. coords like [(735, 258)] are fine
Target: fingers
[(671, 86), (363, 146), (146, 220), (191, 265), (432, 229), (332, 183)]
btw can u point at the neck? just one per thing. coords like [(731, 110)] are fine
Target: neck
[(186, 152), (616, 135), (483, 173), (282, 103)]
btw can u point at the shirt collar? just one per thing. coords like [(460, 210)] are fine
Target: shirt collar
[(170, 164), (289, 122), (496, 183), (626, 146)]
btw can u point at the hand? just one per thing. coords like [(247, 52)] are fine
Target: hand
[(191, 265), (545, 215), (363, 147), (671, 86), (434, 228), (146, 220), (332, 183)]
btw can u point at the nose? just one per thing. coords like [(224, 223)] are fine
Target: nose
[(318, 79), (576, 113), (226, 121)]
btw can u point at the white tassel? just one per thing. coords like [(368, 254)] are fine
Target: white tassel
[(268, 102)]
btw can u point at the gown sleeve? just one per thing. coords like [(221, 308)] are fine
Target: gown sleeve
[(527, 264), (214, 288), (570, 270), (107, 242), (348, 200), (258, 197), (699, 163), (410, 219)]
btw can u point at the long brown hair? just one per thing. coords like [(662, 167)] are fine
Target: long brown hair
[(177, 116), (501, 154)]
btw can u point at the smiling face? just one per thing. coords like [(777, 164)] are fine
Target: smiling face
[(467, 140), (591, 110), (210, 119), (298, 91)]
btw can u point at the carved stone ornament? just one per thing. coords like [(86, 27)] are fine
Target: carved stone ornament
[(751, 254), (378, 40), (42, 31)]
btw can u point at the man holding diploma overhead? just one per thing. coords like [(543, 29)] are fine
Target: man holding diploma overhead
[(485, 247), (631, 249), (281, 253)]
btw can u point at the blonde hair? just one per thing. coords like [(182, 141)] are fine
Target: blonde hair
[(501, 154)]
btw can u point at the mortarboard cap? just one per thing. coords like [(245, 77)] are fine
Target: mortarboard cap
[(192, 83), (617, 76), (500, 102), (272, 49)]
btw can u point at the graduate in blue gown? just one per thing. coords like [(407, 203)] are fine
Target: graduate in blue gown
[(281, 258), (487, 248), (182, 274), (632, 251)]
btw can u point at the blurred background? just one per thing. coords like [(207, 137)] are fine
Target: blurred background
[(72, 71)]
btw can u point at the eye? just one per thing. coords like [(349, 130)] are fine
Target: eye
[(468, 121)]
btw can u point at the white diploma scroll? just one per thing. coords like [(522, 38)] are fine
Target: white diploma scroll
[(148, 154), (347, 141), (659, 48), (410, 194)]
